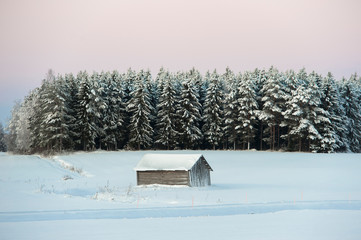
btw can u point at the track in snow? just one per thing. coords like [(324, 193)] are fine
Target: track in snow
[(165, 212)]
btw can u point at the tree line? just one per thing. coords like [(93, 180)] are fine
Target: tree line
[(260, 109)]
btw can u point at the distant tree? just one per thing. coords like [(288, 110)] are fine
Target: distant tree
[(112, 120), (189, 116), (167, 134), (333, 131), (248, 110), (3, 147), (350, 94), (260, 77), (85, 120), (231, 107), (140, 110), (273, 104), (56, 135), (213, 112)]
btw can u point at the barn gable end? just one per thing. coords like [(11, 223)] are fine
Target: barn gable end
[(173, 169), (199, 175)]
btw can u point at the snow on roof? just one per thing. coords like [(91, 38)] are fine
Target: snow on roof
[(167, 162)]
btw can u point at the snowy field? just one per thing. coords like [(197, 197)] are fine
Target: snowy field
[(254, 195)]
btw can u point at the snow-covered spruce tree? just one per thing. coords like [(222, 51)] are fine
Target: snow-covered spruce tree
[(49, 130), (56, 116), (12, 127), (152, 88), (71, 87), (140, 110), (260, 77), (85, 123), (350, 94), (196, 78), (39, 121), (213, 112), (167, 134), (160, 79), (189, 117), (127, 88), (291, 84), (231, 109), (273, 104), (247, 111), (3, 147), (120, 108), (21, 122), (113, 111), (320, 118), (333, 132), (304, 114), (98, 103)]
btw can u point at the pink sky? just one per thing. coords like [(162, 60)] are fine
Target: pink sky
[(69, 36)]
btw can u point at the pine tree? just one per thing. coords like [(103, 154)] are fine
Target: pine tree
[(167, 118), (247, 111), (231, 109), (333, 131), (3, 147), (71, 88), (350, 94), (273, 104), (140, 109), (127, 88), (189, 116), (55, 117), (85, 122), (320, 118), (304, 114), (12, 127), (261, 77), (213, 112), (40, 120)]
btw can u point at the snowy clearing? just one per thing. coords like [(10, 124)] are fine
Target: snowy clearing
[(256, 195)]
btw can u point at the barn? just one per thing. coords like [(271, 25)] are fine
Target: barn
[(174, 169)]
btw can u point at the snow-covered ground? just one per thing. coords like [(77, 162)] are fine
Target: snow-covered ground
[(254, 195)]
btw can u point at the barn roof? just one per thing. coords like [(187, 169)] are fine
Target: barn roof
[(170, 162)]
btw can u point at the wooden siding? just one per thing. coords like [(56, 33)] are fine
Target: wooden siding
[(163, 177), (200, 174)]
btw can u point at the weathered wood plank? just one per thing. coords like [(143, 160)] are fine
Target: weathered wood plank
[(163, 177)]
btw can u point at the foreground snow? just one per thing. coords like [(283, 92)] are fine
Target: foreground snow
[(257, 195)]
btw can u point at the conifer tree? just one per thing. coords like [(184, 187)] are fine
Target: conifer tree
[(189, 116), (273, 104), (167, 117), (55, 114), (247, 111), (213, 112), (350, 94), (332, 131), (140, 109), (86, 126), (3, 147), (113, 111), (231, 110)]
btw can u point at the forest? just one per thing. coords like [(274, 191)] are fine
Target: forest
[(259, 109)]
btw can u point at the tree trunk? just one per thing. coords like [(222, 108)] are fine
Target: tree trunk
[(261, 136), (278, 137)]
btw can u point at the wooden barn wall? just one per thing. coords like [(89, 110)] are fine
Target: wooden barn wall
[(200, 174), (163, 177)]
